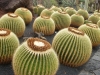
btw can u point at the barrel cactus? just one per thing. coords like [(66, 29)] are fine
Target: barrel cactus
[(84, 13), (77, 20), (55, 8), (8, 44), (61, 19), (71, 11), (35, 57), (40, 8), (94, 18), (25, 14), (13, 22), (44, 24), (93, 31), (72, 46), (47, 12), (98, 23)]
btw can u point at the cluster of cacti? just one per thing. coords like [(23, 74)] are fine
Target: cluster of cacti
[(93, 31), (47, 12), (84, 13), (71, 11), (55, 8), (44, 24), (98, 23), (14, 23), (77, 20), (25, 14), (8, 44), (72, 46), (94, 18), (61, 19), (35, 57)]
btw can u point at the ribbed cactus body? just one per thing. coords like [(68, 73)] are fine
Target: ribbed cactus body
[(13, 22), (71, 11), (25, 14), (40, 8), (94, 18), (8, 44), (98, 23), (61, 19), (35, 57), (47, 12), (73, 46), (84, 13), (44, 24), (93, 31), (77, 20)]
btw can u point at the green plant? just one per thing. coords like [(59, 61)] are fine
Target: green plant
[(77, 20), (35, 57), (68, 3), (25, 14), (8, 44), (14, 23), (93, 31), (72, 46), (61, 19), (98, 23), (44, 24)]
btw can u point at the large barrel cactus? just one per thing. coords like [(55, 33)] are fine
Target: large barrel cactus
[(13, 22), (35, 57), (25, 14), (44, 24), (84, 13), (47, 12), (73, 46), (8, 44), (77, 20), (93, 31), (61, 19)]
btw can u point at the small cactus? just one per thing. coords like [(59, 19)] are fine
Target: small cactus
[(35, 57), (8, 44)]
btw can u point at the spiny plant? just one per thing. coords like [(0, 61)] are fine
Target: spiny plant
[(98, 23), (55, 8), (77, 20), (44, 24), (61, 19), (14, 23), (68, 3), (47, 12), (93, 31), (94, 18), (84, 13), (35, 57), (71, 11), (72, 46), (25, 14), (8, 44)]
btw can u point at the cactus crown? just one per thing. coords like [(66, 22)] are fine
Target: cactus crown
[(75, 30), (12, 15), (45, 17), (38, 44), (62, 12), (92, 25), (4, 32), (23, 9)]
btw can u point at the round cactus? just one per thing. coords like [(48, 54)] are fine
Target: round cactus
[(25, 14), (93, 31), (35, 57), (77, 20), (8, 44), (98, 23), (55, 8), (84, 13), (44, 24), (94, 18), (61, 19), (47, 12), (71, 11), (40, 8), (72, 46), (13, 22)]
